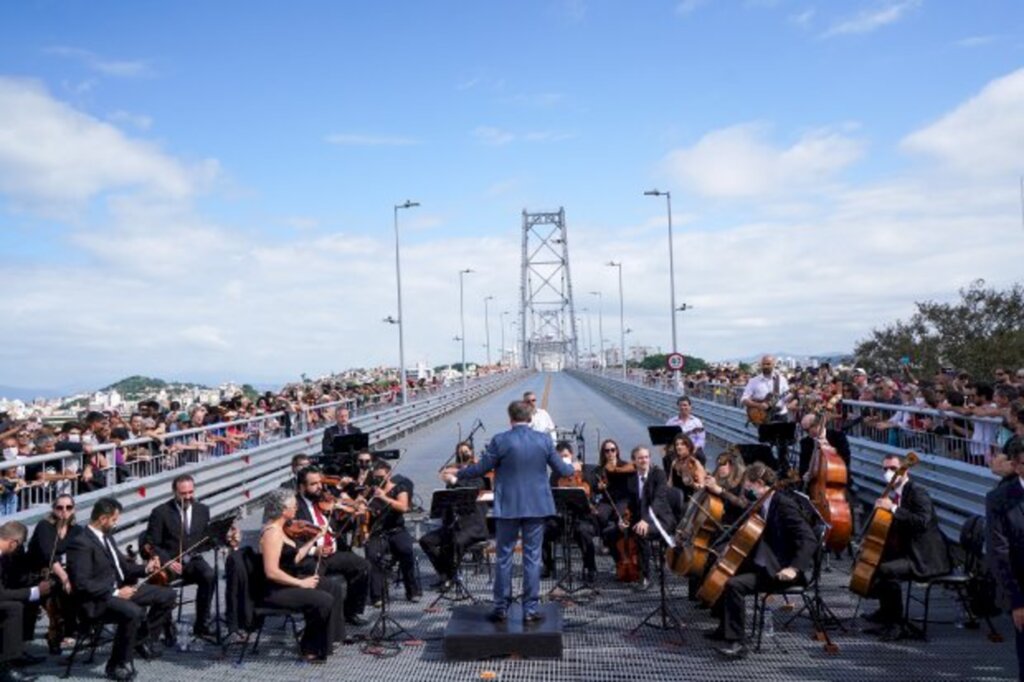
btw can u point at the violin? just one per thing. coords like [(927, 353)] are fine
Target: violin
[(163, 576), (574, 481), (301, 532)]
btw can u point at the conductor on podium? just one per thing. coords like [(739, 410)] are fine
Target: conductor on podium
[(520, 458)]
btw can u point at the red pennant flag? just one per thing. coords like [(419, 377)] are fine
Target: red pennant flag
[(142, 491)]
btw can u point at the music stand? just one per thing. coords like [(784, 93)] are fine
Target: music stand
[(571, 504), (343, 452), (663, 611), (449, 505), (758, 452), (216, 535), (663, 435), (780, 435)]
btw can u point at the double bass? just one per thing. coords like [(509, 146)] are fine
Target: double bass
[(873, 539), (827, 490), (743, 537)]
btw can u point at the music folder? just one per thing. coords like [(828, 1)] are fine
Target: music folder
[(663, 435), (351, 442)]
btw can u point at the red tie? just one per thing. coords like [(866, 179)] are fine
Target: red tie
[(320, 521), (896, 499)]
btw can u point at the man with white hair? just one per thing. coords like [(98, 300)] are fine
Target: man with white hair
[(541, 420)]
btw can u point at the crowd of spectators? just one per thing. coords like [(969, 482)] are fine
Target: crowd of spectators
[(978, 420)]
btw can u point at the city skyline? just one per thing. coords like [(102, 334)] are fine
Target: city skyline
[(206, 192)]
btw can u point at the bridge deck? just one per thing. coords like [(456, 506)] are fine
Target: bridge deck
[(596, 645)]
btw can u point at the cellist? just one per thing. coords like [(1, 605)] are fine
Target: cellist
[(782, 556)]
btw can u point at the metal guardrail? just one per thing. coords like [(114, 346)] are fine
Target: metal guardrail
[(229, 482), (957, 488)]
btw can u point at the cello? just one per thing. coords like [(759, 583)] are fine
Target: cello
[(873, 539), (627, 565), (827, 490), (742, 538), (701, 522)]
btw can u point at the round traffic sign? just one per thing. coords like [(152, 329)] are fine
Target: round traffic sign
[(675, 361)]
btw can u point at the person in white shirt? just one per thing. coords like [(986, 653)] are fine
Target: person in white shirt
[(691, 426), (541, 420), (762, 385)]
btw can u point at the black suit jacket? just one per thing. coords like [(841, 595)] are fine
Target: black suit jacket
[(41, 546), (836, 439), (788, 539), (915, 533), (92, 572), (1004, 510), (653, 497), (164, 529), (327, 445), (11, 584)]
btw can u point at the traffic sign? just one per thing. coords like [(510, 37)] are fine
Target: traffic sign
[(675, 361)]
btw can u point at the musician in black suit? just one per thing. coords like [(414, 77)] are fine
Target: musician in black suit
[(585, 525), (341, 427), (174, 527), (783, 556), (915, 548), (442, 544), (336, 556), (646, 491), (102, 579), (18, 605), (47, 552), (1004, 507), (813, 426)]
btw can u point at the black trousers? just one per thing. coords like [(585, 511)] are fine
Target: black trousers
[(316, 606), (583, 535), (888, 588), (445, 545), (137, 619), (355, 571), (733, 614), (12, 617), (199, 573), (1020, 652), (400, 543)]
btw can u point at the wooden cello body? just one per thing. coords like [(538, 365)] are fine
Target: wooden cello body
[(740, 546), (828, 494), (872, 544), (696, 535)]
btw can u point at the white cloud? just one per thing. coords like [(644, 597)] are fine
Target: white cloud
[(689, 6), (108, 67), (139, 121), (301, 223), (869, 20), (739, 161), (976, 41), (361, 140), (204, 336), (52, 153), (803, 19), (982, 136), (498, 137)]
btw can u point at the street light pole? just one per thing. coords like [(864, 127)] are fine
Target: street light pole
[(600, 324), (462, 321), (671, 271), (622, 318), (487, 328), (501, 351), (401, 317)]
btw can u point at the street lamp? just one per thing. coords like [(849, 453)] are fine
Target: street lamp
[(590, 334), (622, 318), (398, 280), (487, 328), (600, 323), (501, 351), (671, 271), (462, 321)]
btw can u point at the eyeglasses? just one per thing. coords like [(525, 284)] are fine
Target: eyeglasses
[(609, 450), (532, 400), (64, 507)]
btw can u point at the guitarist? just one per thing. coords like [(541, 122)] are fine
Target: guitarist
[(915, 548), (782, 557), (767, 391)]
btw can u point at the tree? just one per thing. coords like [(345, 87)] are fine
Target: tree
[(982, 331), (657, 361)]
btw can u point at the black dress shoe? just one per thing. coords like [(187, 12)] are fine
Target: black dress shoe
[(27, 659), (201, 630), (589, 576), (497, 616), (734, 651), (880, 630), (643, 585), (415, 597), (545, 572), (122, 673), (715, 635), (875, 617), (533, 617), (356, 620), (147, 651), (8, 674)]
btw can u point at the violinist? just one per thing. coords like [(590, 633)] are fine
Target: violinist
[(585, 526), (103, 580), (781, 557), (299, 462), (48, 554), (611, 496), (685, 469), (451, 539), (647, 494), (391, 498), (18, 605), (292, 581), (173, 527), (336, 557)]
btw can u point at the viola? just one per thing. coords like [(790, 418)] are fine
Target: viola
[(301, 532), (163, 576)]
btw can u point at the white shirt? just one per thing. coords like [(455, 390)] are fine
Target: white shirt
[(760, 386), (312, 515), (767, 504), (692, 427), (188, 518), (541, 421)]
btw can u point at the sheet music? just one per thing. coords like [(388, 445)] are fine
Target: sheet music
[(669, 540)]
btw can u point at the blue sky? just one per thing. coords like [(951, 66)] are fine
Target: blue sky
[(225, 172)]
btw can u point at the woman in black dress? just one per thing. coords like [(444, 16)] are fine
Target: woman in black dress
[(47, 554)]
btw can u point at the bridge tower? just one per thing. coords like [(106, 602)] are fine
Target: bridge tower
[(547, 315)]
